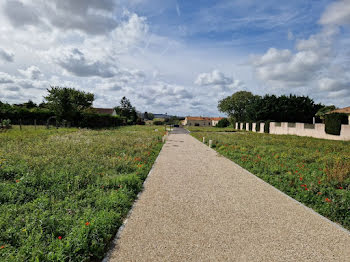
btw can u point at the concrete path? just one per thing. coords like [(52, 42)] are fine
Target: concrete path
[(199, 206)]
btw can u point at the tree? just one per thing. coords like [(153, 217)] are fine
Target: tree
[(324, 110), (126, 110), (239, 106), (67, 103), (244, 106), (150, 116), (223, 123)]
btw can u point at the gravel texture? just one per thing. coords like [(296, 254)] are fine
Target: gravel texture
[(199, 206)]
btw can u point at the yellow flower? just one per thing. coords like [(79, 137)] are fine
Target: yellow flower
[(24, 230)]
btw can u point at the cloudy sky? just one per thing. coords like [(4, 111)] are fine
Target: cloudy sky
[(175, 56)]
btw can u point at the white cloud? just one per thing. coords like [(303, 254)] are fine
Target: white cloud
[(31, 72), (75, 62), (88, 16), (219, 81), (6, 78), (213, 78), (337, 13), (6, 55)]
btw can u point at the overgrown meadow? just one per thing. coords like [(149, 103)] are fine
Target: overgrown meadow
[(313, 171), (65, 192)]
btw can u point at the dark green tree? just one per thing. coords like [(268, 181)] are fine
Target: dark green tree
[(239, 106), (324, 110), (126, 110), (67, 103)]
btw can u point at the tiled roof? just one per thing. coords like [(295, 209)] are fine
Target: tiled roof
[(199, 118), (105, 111), (345, 110)]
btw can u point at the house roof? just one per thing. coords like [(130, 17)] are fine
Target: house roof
[(105, 111), (199, 118), (345, 110)]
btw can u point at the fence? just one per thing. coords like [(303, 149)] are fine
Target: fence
[(301, 129)]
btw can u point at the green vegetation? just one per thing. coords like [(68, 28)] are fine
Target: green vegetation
[(65, 192), (69, 107), (243, 106), (223, 123), (333, 123), (313, 171)]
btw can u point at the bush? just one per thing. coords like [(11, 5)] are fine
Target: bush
[(5, 124), (250, 126), (267, 126), (223, 123), (333, 123), (258, 126), (158, 123), (92, 120)]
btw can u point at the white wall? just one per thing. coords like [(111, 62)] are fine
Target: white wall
[(317, 132)]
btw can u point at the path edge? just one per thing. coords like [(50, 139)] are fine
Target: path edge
[(121, 228), (281, 192)]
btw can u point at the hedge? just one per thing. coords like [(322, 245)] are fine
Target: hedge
[(92, 120), (258, 125), (223, 123), (40, 116), (334, 121), (267, 127), (250, 126)]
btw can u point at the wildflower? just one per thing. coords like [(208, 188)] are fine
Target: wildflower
[(24, 230), (319, 182), (2, 247), (319, 193), (87, 224), (300, 178), (59, 237), (306, 189), (328, 200), (17, 180), (340, 187)]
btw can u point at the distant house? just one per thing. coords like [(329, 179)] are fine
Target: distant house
[(201, 121), (345, 110), (105, 111)]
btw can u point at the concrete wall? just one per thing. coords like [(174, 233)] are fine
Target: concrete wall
[(301, 129), (198, 123)]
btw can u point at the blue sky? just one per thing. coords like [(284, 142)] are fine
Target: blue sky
[(175, 56)]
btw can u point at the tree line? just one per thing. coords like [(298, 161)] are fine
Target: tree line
[(244, 106), (69, 106)]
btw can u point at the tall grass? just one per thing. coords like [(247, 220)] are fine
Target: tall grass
[(65, 192)]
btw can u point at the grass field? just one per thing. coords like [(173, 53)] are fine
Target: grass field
[(313, 171), (65, 192)]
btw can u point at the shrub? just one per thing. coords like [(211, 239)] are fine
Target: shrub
[(158, 123), (267, 126), (333, 123), (92, 120), (258, 126), (223, 123), (5, 124), (250, 126)]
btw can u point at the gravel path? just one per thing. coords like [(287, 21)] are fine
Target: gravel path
[(199, 206)]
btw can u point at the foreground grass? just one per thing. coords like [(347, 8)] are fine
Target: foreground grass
[(64, 193), (313, 171)]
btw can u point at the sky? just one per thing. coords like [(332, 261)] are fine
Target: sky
[(175, 56)]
